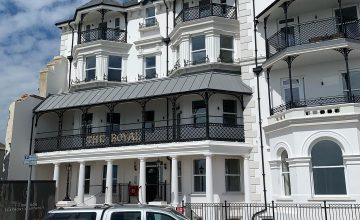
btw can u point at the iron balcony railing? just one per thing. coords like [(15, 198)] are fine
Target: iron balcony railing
[(321, 101), (203, 11), (110, 34), (312, 32), (279, 211), (89, 137)]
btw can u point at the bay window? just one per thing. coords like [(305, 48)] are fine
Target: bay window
[(198, 51), (90, 68), (199, 175), (114, 69), (226, 48), (232, 175)]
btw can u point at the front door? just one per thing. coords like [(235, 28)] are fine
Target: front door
[(152, 180)]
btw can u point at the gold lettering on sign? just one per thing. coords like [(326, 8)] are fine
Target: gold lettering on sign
[(131, 136), (95, 139)]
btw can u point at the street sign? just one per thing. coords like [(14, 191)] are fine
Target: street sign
[(30, 160)]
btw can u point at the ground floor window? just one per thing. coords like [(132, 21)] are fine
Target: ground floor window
[(232, 175), (179, 177), (328, 169), (87, 179), (285, 174), (114, 178), (199, 175)]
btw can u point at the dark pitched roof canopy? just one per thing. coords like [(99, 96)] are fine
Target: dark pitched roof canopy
[(100, 2), (230, 83)]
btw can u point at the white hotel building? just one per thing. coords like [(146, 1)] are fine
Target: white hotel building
[(161, 96)]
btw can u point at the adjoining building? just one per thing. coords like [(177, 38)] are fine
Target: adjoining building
[(312, 72)]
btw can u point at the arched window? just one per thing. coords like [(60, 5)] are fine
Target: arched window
[(328, 169), (285, 174)]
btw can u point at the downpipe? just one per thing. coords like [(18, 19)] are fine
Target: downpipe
[(166, 40), (257, 70), (70, 58)]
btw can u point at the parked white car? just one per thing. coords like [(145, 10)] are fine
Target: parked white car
[(116, 212)]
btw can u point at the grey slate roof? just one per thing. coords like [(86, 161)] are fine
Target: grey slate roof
[(98, 2), (147, 89)]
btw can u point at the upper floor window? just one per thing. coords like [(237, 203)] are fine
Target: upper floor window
[(226, 48), (150, 67), (86, 123), (90, 68), (328, 169), (285, 174), (232, 175), (113, 122), (199, 175), (296, 90), (150, 19), (117, 23), (230, 112), (354, 82), (114, 69), (198, 51), (149, 119), (199, 111)]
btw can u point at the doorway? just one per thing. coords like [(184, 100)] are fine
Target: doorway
[(152, 181)]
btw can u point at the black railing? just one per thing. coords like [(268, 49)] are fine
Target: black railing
[(197, 62), (203, 11), (110, 34), (286, 211), (321, 101), (134, 134), (312, 32)]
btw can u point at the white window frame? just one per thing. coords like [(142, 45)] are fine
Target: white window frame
[(113, 68), (87, 69), (227, 49), (196, 175), (195, 51), (233, 175), (299, 85), (283, 173), (148, 68), (149, 18), (87, 179)]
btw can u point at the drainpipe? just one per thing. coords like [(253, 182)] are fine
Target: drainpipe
[(70, 58), (166, 40), (257, 70)]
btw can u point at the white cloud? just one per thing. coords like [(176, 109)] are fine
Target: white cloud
[(28, 40)]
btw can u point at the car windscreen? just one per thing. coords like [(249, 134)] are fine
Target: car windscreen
[(71, 216)]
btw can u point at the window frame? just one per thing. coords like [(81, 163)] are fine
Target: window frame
[(179, 176), (203, 176), (299, 85), (147, 18), (312, 167), (85, 118), (232, 175), (227, 49), (146, 75), (89, 69), (87, 180), (196, 115), (284, 162), (230, 113), (195, 62), (343, 81), (114, 179), (115, 68)]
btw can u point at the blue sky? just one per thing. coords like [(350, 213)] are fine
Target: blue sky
[(28, 41)]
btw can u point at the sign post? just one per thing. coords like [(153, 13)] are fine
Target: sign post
[(31, 161)]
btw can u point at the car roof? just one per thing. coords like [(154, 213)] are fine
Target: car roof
[(112, 207)]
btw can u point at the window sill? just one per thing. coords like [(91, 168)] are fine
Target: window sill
[(331, 198), (233, 193), (198, 194), (284, 199)]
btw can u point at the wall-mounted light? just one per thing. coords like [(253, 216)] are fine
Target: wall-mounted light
[(135, 166)]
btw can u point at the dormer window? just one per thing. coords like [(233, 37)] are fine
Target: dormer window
[(150, 19), (90, 68), (114, 69)]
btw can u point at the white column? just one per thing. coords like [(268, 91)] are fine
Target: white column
[(209, 179), (142, 181), (246, 179), (174, 182), (56, 179), (81, 182), (109, 177)]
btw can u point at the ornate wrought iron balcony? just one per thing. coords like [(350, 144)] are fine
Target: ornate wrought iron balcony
[(312, 32), (203, 11), (110, 34), (136, 134), (321, 101)]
